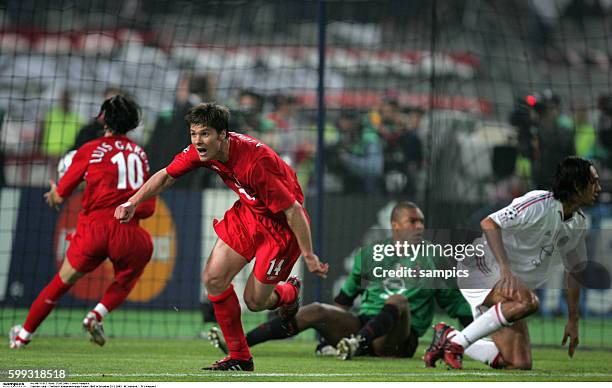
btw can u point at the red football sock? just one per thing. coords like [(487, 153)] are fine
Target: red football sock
[(227, 311), (97, 315), (287, 293), (114, 295), (45, 302)]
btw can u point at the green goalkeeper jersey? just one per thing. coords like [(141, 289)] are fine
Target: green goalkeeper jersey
[(376, 276)]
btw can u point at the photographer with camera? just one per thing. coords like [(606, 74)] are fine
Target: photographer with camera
[(246, 117), (545, 134), (524, 118), (555, 137), (357, 158)]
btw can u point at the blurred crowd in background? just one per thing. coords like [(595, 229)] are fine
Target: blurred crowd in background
[(365, 150), (376, 151), (389, 145)]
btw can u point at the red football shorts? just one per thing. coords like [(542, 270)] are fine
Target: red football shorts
[(270, 241), (128, 246)]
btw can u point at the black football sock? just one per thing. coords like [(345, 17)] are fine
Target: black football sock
[(271, 330), (377, 326)]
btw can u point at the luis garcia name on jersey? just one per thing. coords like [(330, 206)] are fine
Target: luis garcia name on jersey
[(98, 153)]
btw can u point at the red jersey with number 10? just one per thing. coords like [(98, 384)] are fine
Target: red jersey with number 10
[(114, 168), (262, 180)]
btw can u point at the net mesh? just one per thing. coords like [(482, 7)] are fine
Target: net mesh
[(457, 105)]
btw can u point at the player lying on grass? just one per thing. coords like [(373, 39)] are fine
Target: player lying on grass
[(394, 312), (102, 163), (525, 241), (267, 222)]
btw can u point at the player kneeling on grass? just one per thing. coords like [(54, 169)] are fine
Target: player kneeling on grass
[(525, 241), (98, 235), (394, 312), (267, 222)]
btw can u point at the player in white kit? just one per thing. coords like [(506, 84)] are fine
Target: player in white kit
[(523, 243)]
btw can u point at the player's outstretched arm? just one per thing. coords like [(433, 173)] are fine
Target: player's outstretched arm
[(52, 198), (508, 283), (301, 229), (155, 185), (571, 328)]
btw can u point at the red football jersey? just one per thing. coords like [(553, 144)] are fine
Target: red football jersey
[(114, 168), (262, 180)]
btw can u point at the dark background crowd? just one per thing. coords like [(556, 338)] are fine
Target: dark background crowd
[(456, 101)]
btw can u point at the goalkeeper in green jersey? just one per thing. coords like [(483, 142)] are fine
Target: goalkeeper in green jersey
[(394, 311)]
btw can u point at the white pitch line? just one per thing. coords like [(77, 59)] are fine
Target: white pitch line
[(407, 374)]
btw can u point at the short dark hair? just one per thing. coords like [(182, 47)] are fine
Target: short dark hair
[(120, 113), (209, 114), (403, 205), (573, 175)]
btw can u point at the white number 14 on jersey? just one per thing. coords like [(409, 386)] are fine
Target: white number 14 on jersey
[(276, 269)]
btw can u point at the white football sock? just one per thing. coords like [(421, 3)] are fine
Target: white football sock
[(101, 309), (489, 322), (24, 334), (483, 350)]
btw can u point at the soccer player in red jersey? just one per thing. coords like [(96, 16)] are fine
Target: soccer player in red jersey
[(267, 222), (114, 167)]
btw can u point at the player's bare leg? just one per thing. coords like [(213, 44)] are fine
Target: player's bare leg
[(68, 273), (259, 296), (514, 346), (394, 314), (393, 344), (332, 322), (222, 266), (523, 303), (19, 336)]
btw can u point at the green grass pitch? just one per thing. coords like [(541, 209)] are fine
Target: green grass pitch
[(144, 356), (181, 360)]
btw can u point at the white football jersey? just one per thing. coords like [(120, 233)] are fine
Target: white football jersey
[(536, 239)]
